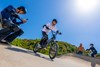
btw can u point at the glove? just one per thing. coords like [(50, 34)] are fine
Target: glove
[(59, 32)]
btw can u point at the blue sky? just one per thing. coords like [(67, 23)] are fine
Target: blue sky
[(78, 20)]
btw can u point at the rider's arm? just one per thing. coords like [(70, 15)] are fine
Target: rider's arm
[(91, 48), (55, 29), (88, 49), (46, 26), (15, 21), (15, 17), (49, 27)]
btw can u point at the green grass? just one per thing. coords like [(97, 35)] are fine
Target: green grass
[(64, 47)]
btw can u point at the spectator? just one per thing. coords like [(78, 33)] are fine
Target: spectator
[(80, 49)]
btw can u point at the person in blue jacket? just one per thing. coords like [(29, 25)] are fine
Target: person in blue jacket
[(93, 50), (10, 30)]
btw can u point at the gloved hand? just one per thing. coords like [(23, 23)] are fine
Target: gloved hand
[(59, 32)]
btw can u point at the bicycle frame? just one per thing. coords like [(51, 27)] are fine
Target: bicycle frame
[(53, 38)]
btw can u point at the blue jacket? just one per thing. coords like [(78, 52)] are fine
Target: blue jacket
[(9, 13), (93, 50)]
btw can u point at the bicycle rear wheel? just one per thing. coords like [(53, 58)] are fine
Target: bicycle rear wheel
[(53, 50)]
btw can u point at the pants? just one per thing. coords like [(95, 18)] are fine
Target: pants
[(10, 31), (93, 54), (80, 52), (14, 35), (44, 39)]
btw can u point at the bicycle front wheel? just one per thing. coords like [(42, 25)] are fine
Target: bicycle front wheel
[(53, 50)]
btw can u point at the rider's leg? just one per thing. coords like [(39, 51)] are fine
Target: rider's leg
[(14, 35), (44, 39), (6, 30), (4, 33), (92, 55)]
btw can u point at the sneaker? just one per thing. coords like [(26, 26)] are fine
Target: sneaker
[(3, 41), (9, 45), (39, 46), (45, 49)]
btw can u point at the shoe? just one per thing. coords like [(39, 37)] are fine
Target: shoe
[(45, 49), (9, 45), (3, 41), (6, 42), (39, 46)]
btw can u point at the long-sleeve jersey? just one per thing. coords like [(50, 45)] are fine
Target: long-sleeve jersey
[(9, 13), (49, 25), (93, 49)]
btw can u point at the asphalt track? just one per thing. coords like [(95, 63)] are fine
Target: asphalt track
[(18, 57)]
